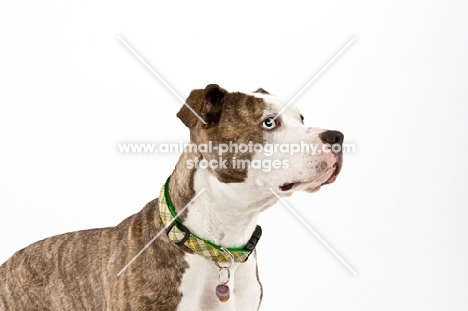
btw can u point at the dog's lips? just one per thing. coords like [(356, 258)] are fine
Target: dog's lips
[(336, 170), (287, 186), (334, 175), (331, 179)]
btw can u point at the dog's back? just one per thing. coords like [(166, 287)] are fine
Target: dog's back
[(43, 276), (78, 270)]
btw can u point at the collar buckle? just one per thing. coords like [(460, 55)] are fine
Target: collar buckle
[(252, 243), (181, 227)]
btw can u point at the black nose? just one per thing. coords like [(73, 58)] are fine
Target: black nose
[(332, 137)]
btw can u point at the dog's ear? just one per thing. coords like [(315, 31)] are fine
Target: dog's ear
[(260, 90), (194, 101), (205, 103), (213, 106)]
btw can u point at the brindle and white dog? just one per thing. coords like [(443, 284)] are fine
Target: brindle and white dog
[(79, 270)]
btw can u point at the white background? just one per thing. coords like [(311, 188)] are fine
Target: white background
[(70, 91)]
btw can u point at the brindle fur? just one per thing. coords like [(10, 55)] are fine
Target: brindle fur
[(78, 270)]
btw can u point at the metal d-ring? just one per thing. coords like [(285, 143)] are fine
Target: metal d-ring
[(230, 255), (228, 275), (221, 268)]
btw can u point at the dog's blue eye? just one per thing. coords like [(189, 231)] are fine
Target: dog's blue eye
[(269, 123)]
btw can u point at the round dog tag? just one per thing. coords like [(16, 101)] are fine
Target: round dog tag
[(222, 292)]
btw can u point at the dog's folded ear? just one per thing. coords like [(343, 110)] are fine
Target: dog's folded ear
[(207, 104), (260, 90)]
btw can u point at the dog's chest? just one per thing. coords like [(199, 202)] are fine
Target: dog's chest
[(199, 282)]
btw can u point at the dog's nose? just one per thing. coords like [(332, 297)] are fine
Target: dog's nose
[(332, 137)]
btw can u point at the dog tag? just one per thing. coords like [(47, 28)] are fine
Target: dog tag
[(222, 292)]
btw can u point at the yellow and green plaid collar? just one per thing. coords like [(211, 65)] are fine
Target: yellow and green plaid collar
[(180, 235)]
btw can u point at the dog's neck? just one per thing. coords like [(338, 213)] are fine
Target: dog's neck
[(225, 214)]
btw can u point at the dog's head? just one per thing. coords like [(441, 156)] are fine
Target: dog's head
[(243, 139)]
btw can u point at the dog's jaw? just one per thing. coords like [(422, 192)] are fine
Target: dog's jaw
[(226, 213)]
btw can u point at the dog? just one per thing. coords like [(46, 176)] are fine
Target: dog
[(192, 248)]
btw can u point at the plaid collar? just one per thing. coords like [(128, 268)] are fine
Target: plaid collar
[(180, 235)]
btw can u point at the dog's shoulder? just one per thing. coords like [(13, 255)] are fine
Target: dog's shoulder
[(77, 261)]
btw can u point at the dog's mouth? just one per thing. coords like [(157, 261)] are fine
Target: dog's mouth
[(336, 170), (288, 186)]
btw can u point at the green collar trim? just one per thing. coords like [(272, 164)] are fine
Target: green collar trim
[(180, 235)]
